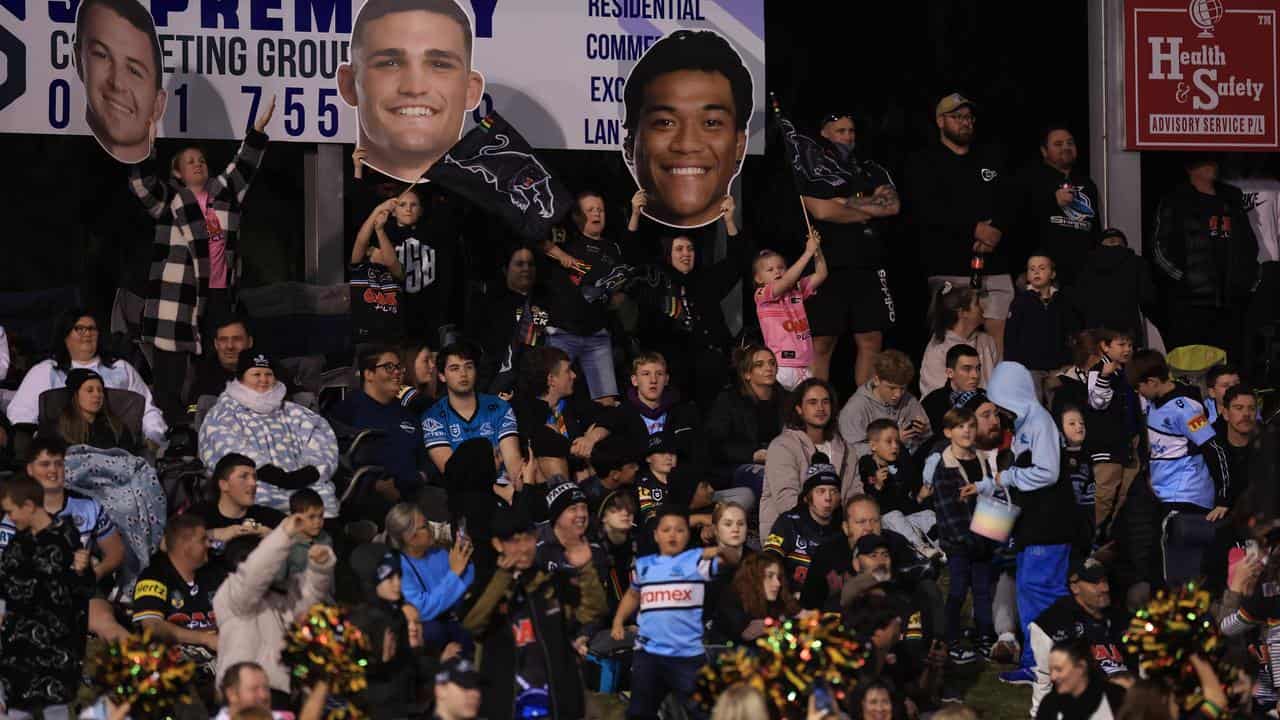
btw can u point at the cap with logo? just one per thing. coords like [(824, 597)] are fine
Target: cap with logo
[(460, 672), (562, 497), (952, 103), (1089, 570)]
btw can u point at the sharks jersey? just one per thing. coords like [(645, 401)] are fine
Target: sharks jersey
[(493, 420), (671, 590), (1177, 430)]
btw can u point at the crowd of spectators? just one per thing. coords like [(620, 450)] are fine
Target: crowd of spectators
[(591, 484)]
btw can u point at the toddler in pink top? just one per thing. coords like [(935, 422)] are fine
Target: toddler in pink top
[(780, 294)]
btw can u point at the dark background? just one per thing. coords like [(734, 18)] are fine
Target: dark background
[(70, 220)]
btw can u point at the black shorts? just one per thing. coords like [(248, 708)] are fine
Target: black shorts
[(854, 300)]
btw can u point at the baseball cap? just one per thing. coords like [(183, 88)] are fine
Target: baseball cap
[(661, 442), (953, 102), (1089, 570), (460, 672), (870, 543)]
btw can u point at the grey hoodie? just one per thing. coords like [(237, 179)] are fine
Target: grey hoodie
[(864, 407)]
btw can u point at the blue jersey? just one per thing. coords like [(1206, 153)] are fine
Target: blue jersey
[(1177, 426), (87, 514), (443, 426), (671, 592)]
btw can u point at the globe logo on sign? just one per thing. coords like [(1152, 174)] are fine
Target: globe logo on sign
[(1205, 14)]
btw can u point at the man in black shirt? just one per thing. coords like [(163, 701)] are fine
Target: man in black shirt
[(856, 297), (1061, 207), (174, 595), (234, 513), (954, 201)]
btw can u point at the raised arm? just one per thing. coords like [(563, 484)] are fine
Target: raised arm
[(239, 174), (376, 220), (389, 251), (150, 190), (792, 275)]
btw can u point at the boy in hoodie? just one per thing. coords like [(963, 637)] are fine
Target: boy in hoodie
[(1113, 286), (885, 396), (395, 670), (1044, 531), (529, 634), (1040, 321)]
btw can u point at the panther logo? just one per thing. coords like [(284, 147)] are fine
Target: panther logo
[(530, 182)]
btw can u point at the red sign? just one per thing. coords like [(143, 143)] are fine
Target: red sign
[(1201, 74)]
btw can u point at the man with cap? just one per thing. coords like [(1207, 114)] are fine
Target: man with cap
[(856, 299), (956, 203), (525, 620), (1086, 614), (457, 691), (562, 540), (797, 535)]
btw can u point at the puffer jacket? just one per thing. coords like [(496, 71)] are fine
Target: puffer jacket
[(1112, 289), (789, 456), (252, 618), (1204, 247)]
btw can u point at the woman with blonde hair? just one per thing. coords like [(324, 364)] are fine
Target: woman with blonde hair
[(740, 702)]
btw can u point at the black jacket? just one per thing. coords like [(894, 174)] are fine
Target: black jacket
[(822, 584), (1037, 332), (492, 604), (1066, 620), (735, 422), (1203, 246), (1100, 693), (946, 196), (626, 425), (1111, 290), (684, 308), (1066, 234)]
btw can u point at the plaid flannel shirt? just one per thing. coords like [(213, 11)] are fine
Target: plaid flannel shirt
[(178, 286)]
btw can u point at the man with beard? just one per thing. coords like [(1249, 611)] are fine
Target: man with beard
[(1062, 207), (687, 101), (1238, 424), (1085, 614), (118, 59), (856, 298), (955, 201), (411, 82)]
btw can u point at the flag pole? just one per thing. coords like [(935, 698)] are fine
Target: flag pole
[(777, 109)]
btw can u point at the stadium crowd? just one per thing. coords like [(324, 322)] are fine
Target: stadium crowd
[(589, 486)]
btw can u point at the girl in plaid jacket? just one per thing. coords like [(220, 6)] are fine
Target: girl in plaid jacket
[(193, 257)]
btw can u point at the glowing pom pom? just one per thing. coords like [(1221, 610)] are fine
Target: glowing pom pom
[(327, 646)]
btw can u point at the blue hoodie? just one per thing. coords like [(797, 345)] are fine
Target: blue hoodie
[(1048, 504)]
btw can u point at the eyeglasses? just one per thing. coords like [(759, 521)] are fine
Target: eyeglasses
[(391, 367), (85, 329), (961, 118)]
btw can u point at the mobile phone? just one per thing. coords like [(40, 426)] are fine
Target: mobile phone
[(462, 526), (823, 700), (1251, 549)]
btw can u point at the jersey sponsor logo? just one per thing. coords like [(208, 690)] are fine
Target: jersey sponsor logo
[(988, 174), (431, 425), (486, 428), (150, 588), (1197, 423), (669, 596), (406, 427)]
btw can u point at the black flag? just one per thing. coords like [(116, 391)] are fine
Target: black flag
[(818, 171), (494, 167)]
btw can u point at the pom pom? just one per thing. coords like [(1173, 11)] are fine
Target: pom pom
[(785, 663), (326, 646), (149, 674), (1168, 631)]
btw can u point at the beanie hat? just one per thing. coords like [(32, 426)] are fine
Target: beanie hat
[(79, 376), (372, 563), (561, 498), (250, 359), (820, 472)]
